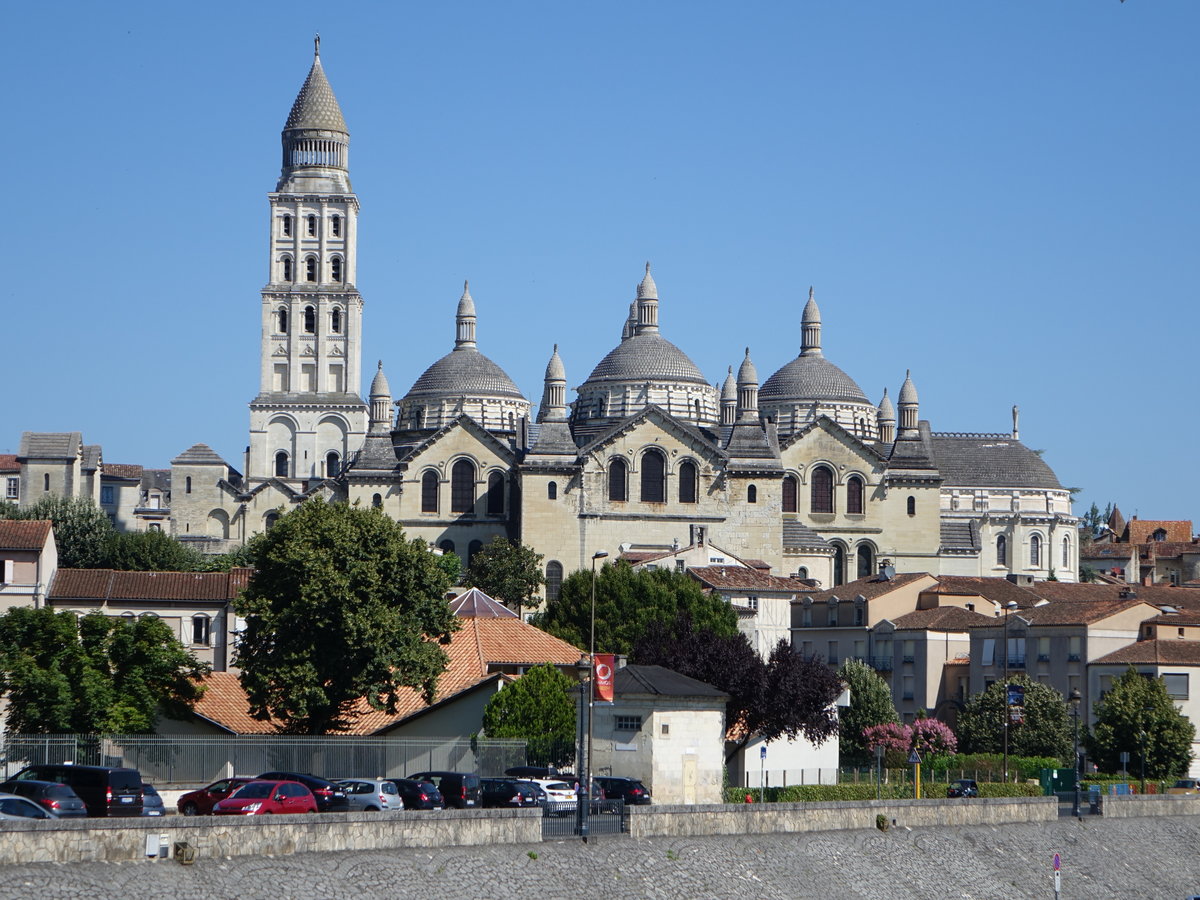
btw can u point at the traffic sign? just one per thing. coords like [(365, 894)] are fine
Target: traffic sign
[(762, 752), (914, 758), (1057, 862)]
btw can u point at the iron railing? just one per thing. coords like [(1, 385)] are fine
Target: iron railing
[(606, 817)]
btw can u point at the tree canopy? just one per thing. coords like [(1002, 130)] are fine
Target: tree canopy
[(506, 571), (1046, 730), (151, 551), (870, 704), (629, 603), (341, 606), (781, 696), (1138, 716), (94, 674), (538, 709), (81, 529)]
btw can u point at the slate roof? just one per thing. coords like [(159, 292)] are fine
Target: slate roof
[(797, 534), (315, 106), (633, 679), (91, 457), (109, 584), (24, 534), (959, 535), (50, 445), (645, 357), (941, 618), (998, 590), (867, 588), (552, 439), (1158, 652), (809, 378), (989, 460), (156, 478), (463, 372), (741, 578)]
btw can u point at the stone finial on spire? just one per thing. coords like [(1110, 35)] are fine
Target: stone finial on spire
[(464, 334), (1016, 432), (907, 401), (317, 45), (647, 305), (810, 327)]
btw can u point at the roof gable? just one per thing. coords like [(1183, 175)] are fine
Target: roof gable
[(866, 452), (655, 415), (24, 534), (467, 424)]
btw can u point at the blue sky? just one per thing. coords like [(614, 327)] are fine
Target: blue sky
[(1000, 196)]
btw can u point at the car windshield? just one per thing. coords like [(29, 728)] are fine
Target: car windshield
[(255, 790), (558, 786)]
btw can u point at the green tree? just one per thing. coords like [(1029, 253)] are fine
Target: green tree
[(628, 603), (151, 551), (95, 674), (538, 709), (870, 704), (1046, 730), (81, 529), (508, 572), (341, 606), (451, 564), (1138, 716)]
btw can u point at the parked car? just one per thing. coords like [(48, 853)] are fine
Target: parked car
[(539, 793), (59, 799), (618, 787), (14, 807), (263, 798), (419, 794), (330, 797), (152, 803), (964, 787), (538, 772), (459, 789), (201, 802), (508, 793), (371, 794), (561, 798), (1182, 786), (104, 790)]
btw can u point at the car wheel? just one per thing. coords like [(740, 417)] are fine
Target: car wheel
[(190, 809), (372, 809)]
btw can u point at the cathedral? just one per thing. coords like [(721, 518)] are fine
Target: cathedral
[(799, 474)]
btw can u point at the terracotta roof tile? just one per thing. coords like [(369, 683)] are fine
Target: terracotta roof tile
[(121, 470), (868, 588), (1176, 653), (1157, 595), (998, 590), (941, 618), (9, 464), (742, 578), (108, 584), (1080, 612), (24, 534), (1141, 530)]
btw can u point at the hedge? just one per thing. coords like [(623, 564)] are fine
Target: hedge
[(810, 793)]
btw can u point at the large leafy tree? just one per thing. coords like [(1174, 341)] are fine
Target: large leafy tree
[(81, 529), (1045, 731), (781, 696), (1138, 716), (629, 603), (538, 709), (870, 704), (506, 571), (151, 551), (341, 607), (95, 674)]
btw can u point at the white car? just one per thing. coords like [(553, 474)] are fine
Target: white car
[(371, 794), (560, 796)]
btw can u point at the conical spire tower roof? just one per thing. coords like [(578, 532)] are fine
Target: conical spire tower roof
[(316, 108)]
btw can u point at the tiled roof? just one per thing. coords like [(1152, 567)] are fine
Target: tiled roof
[(809, 378), (1079, 612), (867, 588), (1120, 553), (990, 461), (92, 457), (959, 534), (198, 454), (664, 682), (743, 578), (1156, 595), (479, 644), (123, 471), (941, 618), (1140, 530), (998, 590), (108, 584), (24, 534), (9, 464), (50, 445), (315, 106), (463, 372), (1174, 653), (645, 357), (1183, 617)]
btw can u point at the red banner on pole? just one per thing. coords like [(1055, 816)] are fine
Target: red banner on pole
[(602, 690)]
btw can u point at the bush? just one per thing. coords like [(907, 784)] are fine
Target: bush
[(991, 765), (816, 793)]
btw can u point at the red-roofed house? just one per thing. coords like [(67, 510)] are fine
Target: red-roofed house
[(28, 561), (10, 476)]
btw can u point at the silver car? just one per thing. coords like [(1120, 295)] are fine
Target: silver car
[(371, 794), (14, 807)]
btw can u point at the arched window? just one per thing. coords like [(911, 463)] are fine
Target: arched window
[(654, 477), (281, 464), (554, 576), (333, 464), (312, 226), (472, 548), (1066, 553), (335, 223), (866, 560), (1002, 551), (1035, 552), (912, 506), (46, 481), (462, 486), (377, 501), (310, 269), (751, 494), (281, 321), (335, 321), (495, 494), (429, 492), (446, 546), (552, 490), (1159, 535), (287, 226), (789, 493), (287, 268), (687, 482), (616, 480), (270, 520), (822, 491), (335, 267), (310, 320), (802, 572), (839, 564), (154, 526), (854, 495), (187, 485), (201, 630)]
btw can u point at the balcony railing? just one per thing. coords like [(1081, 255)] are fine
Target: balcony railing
[(1016, 662), (908, 658), (882, 663), (1072, 657), (1043, 657)]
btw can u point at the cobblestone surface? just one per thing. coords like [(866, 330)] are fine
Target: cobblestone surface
[(1126, 858)]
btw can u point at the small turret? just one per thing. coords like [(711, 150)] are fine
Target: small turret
[(647, 305), (554, 394), (886, 419), (465, 320), (810, 327), (729, 399), (747, 390), (908, 406), (381, 402)]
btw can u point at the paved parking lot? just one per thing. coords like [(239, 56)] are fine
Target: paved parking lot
[(1126, 858)]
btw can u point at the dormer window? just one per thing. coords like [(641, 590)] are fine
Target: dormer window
[(1160, 534)]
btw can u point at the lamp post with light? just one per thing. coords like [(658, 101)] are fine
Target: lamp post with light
[(1008, 607), (584, 668), (1075, 698), (585, 792)]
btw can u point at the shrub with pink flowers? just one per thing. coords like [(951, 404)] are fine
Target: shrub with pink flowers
[(924, 735), (889, 736)]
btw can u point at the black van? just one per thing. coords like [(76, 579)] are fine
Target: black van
[(104, 790), (459, 789)]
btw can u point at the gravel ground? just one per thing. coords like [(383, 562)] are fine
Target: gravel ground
[(1119, 858)]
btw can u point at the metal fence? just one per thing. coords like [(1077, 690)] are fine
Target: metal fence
[(562, 820), (185, 760)]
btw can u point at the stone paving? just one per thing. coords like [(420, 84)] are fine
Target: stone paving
[(1127, 858)]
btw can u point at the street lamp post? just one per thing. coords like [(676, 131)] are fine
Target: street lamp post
[(585, 792), (584, 668), (1142, 722), (1008, 607), (1075, 698)]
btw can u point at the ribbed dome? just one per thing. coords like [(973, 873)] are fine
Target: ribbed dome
[(808, 378), (464, 372), (729, 389), (379, 384), (555, 371), (315, 107), (747, 373), (646, 357)]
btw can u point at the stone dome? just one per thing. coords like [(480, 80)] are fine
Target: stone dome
[(646, 357), (809, 378), (379, 384), (463, 372)]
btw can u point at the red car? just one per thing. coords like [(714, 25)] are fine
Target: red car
[(201, 802), (263, 798)]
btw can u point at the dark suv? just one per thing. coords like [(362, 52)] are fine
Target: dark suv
[(508, 793), (618, 787), (462, 790), (330, 797), (104, 790)]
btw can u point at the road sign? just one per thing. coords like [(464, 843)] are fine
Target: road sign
[(1057, 862), (914, 758), (1124, 757), (762, 752)]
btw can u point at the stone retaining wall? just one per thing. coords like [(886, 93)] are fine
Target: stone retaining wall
[(1122, 806), (124, 839), (772, 818)]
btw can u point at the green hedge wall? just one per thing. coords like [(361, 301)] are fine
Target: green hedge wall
[(800, 793)]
